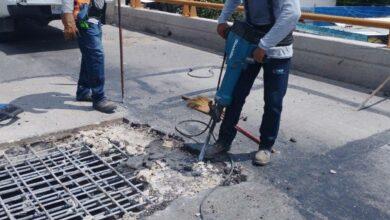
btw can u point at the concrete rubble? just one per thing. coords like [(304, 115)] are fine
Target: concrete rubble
[(157, 160)]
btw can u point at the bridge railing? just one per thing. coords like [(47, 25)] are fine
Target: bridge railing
[(189, 10)]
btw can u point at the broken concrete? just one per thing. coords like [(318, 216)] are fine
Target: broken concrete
[(156, 159)]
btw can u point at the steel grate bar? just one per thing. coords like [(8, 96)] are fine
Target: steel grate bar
[(86, 174), (27, 187), (88, 189), (11, 183), (109, 185), (57, 200), (45, 190), (119, 174), (59, 195), (56, 178), (67, 183), (4, 207), (42, 167), (5, 185)]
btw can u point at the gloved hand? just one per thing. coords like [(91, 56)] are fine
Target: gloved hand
[(70, 29)]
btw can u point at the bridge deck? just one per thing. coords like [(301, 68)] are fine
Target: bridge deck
[(39, 74)]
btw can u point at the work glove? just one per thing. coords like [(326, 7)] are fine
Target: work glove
[(70, 29)]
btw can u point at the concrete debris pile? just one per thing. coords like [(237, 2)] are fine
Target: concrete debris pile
[(158, 160)]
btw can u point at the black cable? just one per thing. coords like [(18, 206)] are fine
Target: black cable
[(192, 136), (189, 73), (207, 126)]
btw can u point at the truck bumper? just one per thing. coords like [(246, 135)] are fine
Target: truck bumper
[(39, 2), (36, 12), (7, 25)]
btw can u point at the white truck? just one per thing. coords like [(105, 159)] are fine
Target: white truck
[(14, 12)]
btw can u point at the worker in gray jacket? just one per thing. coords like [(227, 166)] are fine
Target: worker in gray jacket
[(277, 19), (83, 21)]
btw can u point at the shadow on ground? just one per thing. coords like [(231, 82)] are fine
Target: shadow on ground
[(33, 38), (42, 102)]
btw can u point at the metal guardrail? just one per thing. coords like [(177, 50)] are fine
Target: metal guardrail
[(189, 10)]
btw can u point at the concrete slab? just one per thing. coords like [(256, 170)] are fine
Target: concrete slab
[(49, 106), (234, 202)]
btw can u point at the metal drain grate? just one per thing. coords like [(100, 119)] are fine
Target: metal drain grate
[(67, 183)]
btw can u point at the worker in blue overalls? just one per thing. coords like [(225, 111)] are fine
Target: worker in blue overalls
[(83, 20), (277, 19)]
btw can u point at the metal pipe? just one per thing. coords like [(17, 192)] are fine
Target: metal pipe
[(308, 16), (347, 20), (388, 39), (247, 134), (361, 106), (121, 49), (195, 3)]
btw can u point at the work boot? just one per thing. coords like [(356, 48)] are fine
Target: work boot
[(215, 150), (105, 106), (85, 98), (262, 157)]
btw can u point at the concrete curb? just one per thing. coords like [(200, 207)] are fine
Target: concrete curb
[(359, 63)]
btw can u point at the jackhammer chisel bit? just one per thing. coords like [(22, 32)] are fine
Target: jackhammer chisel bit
[(215, 113), (207, 142)]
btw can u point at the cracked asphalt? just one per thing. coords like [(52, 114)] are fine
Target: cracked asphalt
[(319, 114)]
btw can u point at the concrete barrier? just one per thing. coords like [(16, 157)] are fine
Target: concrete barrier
[(198, 31), (358, 63)]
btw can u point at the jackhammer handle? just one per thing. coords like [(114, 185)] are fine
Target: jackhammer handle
[(250, 60)]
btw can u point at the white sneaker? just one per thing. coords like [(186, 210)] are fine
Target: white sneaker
[(262, 157)]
